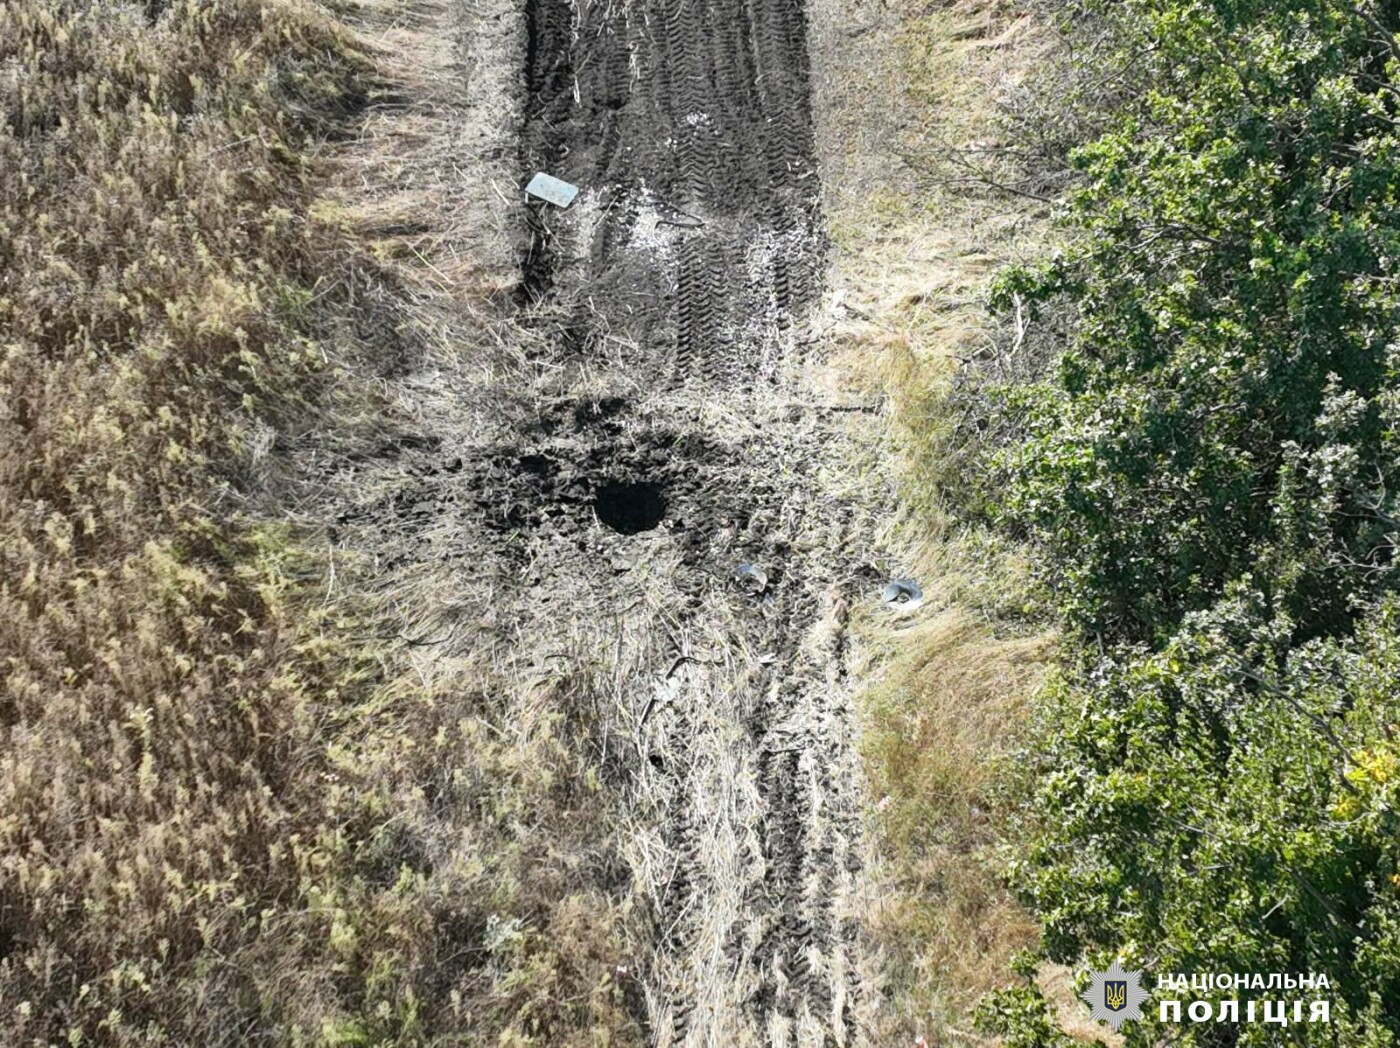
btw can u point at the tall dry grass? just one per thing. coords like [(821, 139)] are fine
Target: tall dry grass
[(230, 814), (164, 846), (930, 198)]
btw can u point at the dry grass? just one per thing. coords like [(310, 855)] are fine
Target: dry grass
[(916, 242), (165, 843), (934, 733), (234, 809)]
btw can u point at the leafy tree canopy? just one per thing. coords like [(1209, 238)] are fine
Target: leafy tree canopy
[(1210, 477)]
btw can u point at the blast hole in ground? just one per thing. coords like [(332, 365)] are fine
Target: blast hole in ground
[(629, 508)]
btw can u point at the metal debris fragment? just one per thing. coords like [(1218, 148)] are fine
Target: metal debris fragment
[(682, 220), (554, 190), (902, 593), (750, 578), (674, 216)]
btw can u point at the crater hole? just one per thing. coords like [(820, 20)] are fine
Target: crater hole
[(629, 508)]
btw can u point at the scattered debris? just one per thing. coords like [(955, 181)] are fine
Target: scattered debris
[(750, 578), (682, 220), (676, 217), (903, 593), (554, 190)]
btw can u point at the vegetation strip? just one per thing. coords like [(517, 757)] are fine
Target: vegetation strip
[(1205, 462), (172, 862)]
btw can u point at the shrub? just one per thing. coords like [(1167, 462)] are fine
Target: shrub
[(1209, 476)]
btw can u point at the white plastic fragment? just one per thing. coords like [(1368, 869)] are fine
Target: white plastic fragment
[(554, 190)]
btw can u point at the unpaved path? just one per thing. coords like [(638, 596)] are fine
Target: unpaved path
[(651, 420)]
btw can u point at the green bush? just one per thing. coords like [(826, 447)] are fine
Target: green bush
[(1227, 405), (1209, 476)]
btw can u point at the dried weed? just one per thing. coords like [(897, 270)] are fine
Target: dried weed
[(925, 203)]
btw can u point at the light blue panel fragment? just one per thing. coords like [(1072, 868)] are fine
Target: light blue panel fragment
[(555, 190)]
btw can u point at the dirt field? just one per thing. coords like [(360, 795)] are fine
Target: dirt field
[(603, 411), (565, 505)]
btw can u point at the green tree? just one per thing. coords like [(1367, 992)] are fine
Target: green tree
[(1210, 476)]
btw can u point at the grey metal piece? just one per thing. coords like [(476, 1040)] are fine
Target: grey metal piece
[(750, 578), (903, 593), (554, 190), (676, 217), (682, 220)]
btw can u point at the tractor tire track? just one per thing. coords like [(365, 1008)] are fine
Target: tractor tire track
[(676, 284), (576, 469)]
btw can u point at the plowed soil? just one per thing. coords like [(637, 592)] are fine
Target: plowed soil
[(585, 491)]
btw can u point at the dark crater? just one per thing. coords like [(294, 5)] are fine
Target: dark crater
[(629, 508)]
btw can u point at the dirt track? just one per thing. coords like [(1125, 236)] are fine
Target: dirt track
[(587, 495), (670, 113)]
